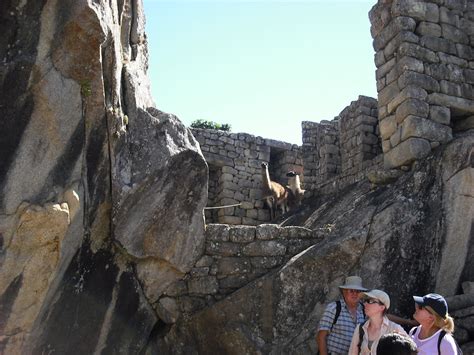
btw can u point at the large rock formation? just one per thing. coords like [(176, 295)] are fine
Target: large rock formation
[(407, 238), (102, 194)]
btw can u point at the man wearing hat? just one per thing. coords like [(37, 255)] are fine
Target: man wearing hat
[(340, 319)]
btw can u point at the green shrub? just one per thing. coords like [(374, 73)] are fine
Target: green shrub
[(210, 125)]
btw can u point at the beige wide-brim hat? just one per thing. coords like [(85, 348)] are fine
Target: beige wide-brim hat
[(378, 295), (353, 283)]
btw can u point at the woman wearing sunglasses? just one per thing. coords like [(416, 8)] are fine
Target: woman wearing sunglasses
[(367, 335), (433, 335)]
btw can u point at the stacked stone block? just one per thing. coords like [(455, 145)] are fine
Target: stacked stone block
[(359, 137), (214, 190), (425, 74), (234, 161), (235, 256), (310, 151), (321, 156), (337, 153)]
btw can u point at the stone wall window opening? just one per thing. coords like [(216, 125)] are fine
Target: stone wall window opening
[(277, 167)]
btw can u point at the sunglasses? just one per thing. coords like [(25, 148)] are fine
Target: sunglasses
[(353, 291), (372, 301)]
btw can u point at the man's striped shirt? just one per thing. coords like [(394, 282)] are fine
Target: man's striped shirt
[(339, 338)]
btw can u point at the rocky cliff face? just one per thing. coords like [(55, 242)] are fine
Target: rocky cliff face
[(101, 194)]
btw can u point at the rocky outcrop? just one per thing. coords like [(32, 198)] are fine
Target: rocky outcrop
[(102, 194), (396, 236)]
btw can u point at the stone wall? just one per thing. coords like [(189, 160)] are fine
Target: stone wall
[(234, 161), (321, 157), (233, 257), (101, 193), (425, 74), (425, 83), (359, 136), (337, 153)]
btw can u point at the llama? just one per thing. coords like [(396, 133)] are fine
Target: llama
[(273, 193), (297, 193)]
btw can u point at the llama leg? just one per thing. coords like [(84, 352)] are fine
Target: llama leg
[(274, 210), (269, 202)]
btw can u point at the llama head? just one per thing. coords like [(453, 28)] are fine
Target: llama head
[(264, 165)]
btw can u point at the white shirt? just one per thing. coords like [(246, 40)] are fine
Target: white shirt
[(387, 327), (429, 346)]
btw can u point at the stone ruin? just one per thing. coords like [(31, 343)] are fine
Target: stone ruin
[(235, 177), (425, 84), (338, 153), (425, 74), (425, 62), (103, 245), (334, 154)]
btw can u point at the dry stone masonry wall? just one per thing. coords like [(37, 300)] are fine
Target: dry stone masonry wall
[(425, 74), (334, 154), (235, 177), (359, 136), (233, 257), (338, 152), (321, 157)]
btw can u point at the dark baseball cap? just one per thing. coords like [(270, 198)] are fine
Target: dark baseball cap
[(436, 302)]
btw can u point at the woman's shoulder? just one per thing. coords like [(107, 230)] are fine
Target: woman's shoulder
[(448, 344), (395, 327)]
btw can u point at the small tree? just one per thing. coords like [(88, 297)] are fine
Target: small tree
[(199, 123)]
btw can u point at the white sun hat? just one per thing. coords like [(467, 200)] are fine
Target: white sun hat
[(353, 283)]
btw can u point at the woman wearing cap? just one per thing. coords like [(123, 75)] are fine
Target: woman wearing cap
[(367, 335), (436, 326)]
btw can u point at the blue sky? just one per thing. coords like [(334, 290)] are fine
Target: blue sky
[(261, 66)]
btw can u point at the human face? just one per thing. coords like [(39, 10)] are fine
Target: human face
[(422, 315), (373, 306), (351, 296)]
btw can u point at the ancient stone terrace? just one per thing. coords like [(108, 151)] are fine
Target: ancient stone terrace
[(233, 257)]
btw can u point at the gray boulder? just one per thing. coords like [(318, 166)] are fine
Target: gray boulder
[(101, 194)]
